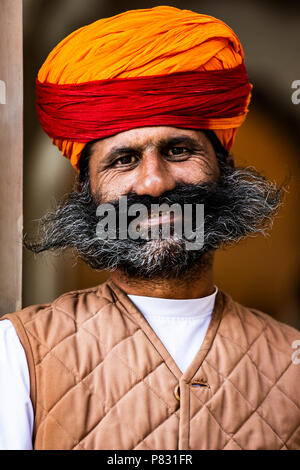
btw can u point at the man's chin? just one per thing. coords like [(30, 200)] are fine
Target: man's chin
[(164, 258)]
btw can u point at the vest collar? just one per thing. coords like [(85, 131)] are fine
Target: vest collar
[(128, 308)]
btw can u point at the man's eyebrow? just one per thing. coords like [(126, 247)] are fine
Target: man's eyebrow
[(162, 143), (115, 152), (180, 139)]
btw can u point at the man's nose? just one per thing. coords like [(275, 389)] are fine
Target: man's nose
[(154, 177)]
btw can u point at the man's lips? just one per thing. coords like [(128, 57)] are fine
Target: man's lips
[(158, 219)]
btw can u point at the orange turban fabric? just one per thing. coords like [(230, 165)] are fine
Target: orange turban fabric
[(143, 43)]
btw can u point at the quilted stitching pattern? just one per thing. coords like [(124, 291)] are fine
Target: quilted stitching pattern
[(278, 426), (103, 385), (85, 382)]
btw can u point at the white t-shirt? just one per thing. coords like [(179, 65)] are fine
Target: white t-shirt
[(181, 326), (16, 412)]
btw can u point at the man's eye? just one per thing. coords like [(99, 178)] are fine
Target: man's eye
[(174, 151), (126, 160)]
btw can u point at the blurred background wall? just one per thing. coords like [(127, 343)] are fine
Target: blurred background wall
[(259, 272)]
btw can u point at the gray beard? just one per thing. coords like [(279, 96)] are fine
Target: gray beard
[(240, 204)]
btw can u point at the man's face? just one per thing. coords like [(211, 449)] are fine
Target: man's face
[(153, 166), (150, 161)]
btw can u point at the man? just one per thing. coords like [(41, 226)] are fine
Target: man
[(146, 106)]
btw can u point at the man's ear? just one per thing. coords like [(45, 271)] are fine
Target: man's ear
[(230, 161)]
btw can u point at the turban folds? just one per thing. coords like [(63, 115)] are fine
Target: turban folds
[(157, 66)]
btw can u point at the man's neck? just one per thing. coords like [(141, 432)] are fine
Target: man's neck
[(199, 283)]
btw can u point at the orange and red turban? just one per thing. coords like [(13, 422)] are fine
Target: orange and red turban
[(157, 66)]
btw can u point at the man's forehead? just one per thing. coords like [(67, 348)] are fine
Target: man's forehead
[(149, 136)]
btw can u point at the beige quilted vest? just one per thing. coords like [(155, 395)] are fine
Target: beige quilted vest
[(101, 378)]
